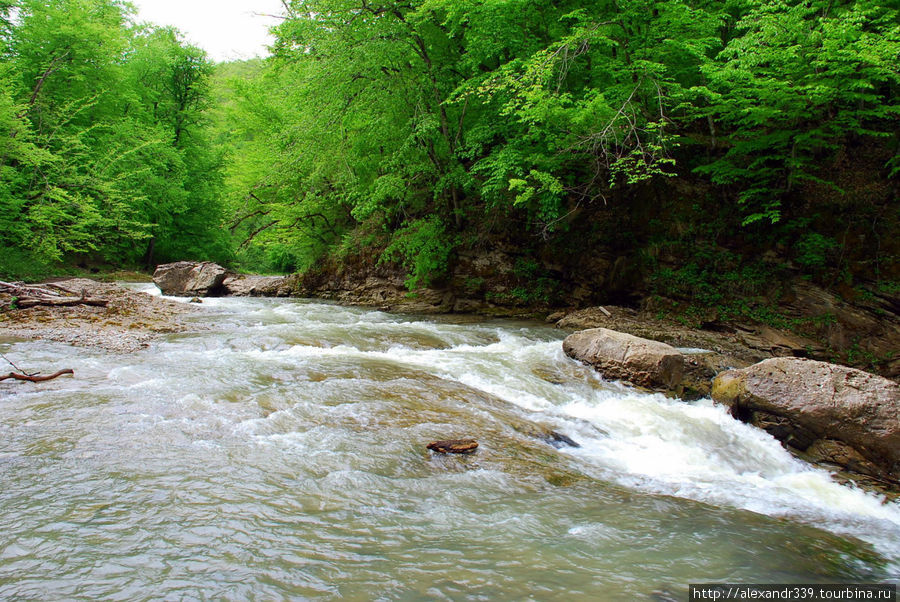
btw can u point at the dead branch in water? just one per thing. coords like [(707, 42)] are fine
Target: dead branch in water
[(36, 379)]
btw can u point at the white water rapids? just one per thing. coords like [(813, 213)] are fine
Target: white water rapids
[(278, 453)]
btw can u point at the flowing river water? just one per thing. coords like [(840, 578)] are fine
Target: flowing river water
[(278, 452)]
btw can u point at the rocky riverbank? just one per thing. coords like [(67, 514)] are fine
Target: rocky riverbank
[(130, 320), (823, 326), (834, 416), (865, 333), (206, 279), (607, 338), (857, 326)]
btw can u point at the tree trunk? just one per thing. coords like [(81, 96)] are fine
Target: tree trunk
[(148, 256)]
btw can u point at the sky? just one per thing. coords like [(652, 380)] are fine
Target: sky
[(226, 29)]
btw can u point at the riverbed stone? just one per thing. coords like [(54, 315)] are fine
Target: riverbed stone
[(617, 355), (244, 285), (839, 414), (190, 278), (701, 368), (454, 446)]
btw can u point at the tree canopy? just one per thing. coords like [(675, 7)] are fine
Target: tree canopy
[(104, 151), (420, 123), (413, 129)]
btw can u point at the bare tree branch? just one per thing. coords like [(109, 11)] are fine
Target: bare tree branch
[(54, 66), (36, 379)]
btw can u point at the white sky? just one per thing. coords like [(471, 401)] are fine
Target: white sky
[(226, 29)]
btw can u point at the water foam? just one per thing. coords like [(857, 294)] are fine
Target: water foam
[(691, 450), (640, 440)]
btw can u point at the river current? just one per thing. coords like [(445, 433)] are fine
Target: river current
[(278, 452)]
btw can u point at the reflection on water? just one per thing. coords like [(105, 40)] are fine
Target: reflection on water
[(280, 453)]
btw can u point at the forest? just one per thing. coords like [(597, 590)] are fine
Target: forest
[(707, 149)]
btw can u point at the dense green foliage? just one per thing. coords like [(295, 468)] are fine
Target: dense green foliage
[(422, 127), (103, 153), (692, 135)]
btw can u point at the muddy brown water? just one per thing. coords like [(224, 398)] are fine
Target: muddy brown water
[(280, 454)]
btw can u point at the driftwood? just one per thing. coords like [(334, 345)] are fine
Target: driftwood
[(58, 287), (454, 446), (26, 302), (36, 379), (49, 295)]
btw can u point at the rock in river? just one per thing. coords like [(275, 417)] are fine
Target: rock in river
[(190, 279), (617, 355), (837, 414), (241, 285), (454, 446)]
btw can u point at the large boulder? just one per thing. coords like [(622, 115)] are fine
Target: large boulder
[(700, 368), (190, 279), (836, 414), (616, 355), (239, 285)]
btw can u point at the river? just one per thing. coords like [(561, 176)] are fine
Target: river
[(278, 452)]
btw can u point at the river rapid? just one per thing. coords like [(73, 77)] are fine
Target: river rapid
[(278, 452)]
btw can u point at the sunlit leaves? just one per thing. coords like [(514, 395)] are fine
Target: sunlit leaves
[(101, 144), (411, 119)]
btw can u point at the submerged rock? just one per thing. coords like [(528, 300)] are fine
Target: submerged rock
[(190, 278), (836, 414), (543, 433), (616, 355), (559, 440), (454, 446)]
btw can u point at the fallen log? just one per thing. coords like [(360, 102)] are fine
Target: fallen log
[(48, 295), (36, 379), (63, 289), (26, 302), (23, 290)]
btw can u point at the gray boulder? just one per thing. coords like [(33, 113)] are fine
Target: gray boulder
[(258, 286), (616, 355), (834, 413), (190, 279)]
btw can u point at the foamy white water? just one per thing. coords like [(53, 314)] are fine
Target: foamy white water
[(287, 441)]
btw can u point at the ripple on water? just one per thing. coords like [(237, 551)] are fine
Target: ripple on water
[(280, 454)]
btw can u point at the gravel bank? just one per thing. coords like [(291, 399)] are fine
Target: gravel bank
[(131, 321)]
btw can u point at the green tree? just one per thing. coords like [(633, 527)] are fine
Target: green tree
[(103, 147), (180, 186), (66, 58), (413, 115), (801, 80)]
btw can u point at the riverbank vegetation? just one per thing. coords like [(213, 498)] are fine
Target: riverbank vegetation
[(421, 129), (105, 155), (693, 151)]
